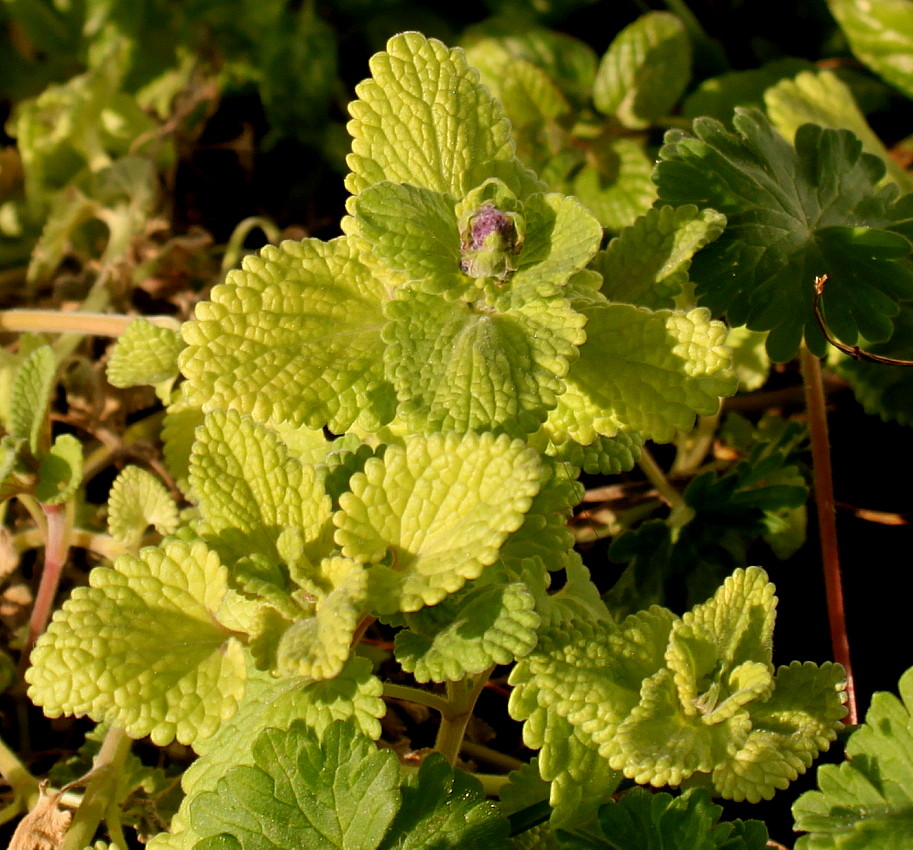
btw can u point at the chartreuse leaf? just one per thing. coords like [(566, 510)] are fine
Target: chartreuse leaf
[(137, 500), (145, 354), (294, 336), (302, 790), (459, 367), (645, 371), (60, 471), (821, 98), (142, 647), (867, 801), (424, 119), (432, 515), (881, 35), (647, 263), (793, 213), (644, 821), (645, 70), (666, 698), (181, 421), (467, 633), (617, 189), (30, 398), (250, 490)]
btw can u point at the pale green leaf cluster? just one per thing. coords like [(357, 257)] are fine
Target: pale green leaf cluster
[(663, 698), (460, 298), (867, 801), (161, 643)]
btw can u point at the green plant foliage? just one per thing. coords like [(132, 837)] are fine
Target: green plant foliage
[(666, 698), (145, 354), (880, 35), (644, 71), (866, 801), (179, 674), (137, 500), (821, 203), (337, 790), (822, 99), (643, 821)]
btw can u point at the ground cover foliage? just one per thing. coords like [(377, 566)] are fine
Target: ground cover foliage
[(414, 422)]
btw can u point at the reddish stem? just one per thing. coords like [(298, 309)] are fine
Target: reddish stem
[(56, 550), (827, 520)]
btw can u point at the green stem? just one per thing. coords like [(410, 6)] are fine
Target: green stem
[(481, 753), (419, 697), (17, 776), (827, 520), (694, 446), (100, 791), (657, 478), (461, 699)]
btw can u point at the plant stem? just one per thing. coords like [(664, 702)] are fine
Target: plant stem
[(461, 699), (419, 697), (56, 550), (827, 520), (55, 321), (100, 790), (657, 478), (17, 776)]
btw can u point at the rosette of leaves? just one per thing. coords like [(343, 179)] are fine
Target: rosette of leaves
[(458, 300), (664, 699), (271, 577)]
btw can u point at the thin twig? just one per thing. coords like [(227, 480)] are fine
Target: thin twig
[(852, 350)]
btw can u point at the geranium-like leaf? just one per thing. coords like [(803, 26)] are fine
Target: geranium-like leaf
[(645, 70), (883, 390), (643, 821), (144, 354), (30, 397), (492, 624), (793, 213), (60, 471), (867, 801), (645, 371), (142, 647), (302, 790), (458, 368), (445, 807), (881, 35), (432, 515), (293, 336), (250, 490), (137, 500), (426, 120), (821, 98), (647, 263)]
